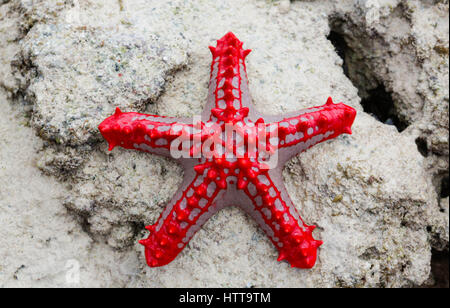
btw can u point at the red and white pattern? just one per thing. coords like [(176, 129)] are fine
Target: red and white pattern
[(232, 156)]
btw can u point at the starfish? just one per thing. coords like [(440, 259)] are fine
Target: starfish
[(231, 155)]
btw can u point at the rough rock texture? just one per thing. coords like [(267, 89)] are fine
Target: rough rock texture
[(42, 245), (402, 46), (88, 71), (374, 197)]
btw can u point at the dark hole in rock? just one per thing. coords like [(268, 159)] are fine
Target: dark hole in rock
[(422, 146), (340, 45), (444, 187), (380, 105), (378, 102), (439, 268), (137, 227)]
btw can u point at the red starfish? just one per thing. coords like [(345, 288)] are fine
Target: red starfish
[(241, 166)]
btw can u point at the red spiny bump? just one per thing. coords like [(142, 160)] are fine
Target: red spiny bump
[(304, 252), (212, 173), (262, 188), (230, 51), (213, 51), (347, 130), (251, 173), (200, 168), (141, 128), (163, 241), (244, 111), (154, 134), (158, 253), (350, 114), (229, 115), (201, 190), (297, 238), (233, 42), (316, 244), (127, 130), (279, 215), (304, 245), (144, 242), (292, 129), (302, 126), (282, 256), (244, 163), (222, 183), (150, 228), (287, 228), (229, 96), (322, 121), (104, 128), (153, 263), (229, 35), (259, 121), (227, 86), (242, 183), (329, 101), (245, 53), (182, 215), (192, 201), (172, 229), (228, 61), (217, 112), (282, 132), (267, 199), (229, 72)]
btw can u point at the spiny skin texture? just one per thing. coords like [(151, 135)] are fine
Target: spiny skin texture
[(230, 169)]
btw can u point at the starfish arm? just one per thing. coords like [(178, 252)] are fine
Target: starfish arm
[(185, 214), (148, 133), (228, 94), (311, 126), (277, 216)]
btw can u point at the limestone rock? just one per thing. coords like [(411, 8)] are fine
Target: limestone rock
[(403, 46), (372, 194), (76, 76), (42, 245)]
